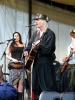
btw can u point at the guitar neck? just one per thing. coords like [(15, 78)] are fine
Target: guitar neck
[(69, 57), (66, 63), (31, 56), (37, 42)]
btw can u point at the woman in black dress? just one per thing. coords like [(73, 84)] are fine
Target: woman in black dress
[(15, 74)]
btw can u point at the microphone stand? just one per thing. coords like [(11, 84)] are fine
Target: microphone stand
[(4, 55), (23, 74), (23, 60)]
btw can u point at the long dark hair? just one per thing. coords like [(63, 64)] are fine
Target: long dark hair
[(13, 43)]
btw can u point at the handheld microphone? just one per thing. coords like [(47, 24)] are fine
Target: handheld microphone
[(31, 25)]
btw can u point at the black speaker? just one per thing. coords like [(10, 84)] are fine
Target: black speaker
[(57, 96), (56, 65)]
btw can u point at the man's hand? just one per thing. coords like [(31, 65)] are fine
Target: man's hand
[(33, 45), (64, 59), (25, 53)]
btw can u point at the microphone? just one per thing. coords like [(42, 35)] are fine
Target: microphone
[(31, 25), (1, 42), (11, 40)]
